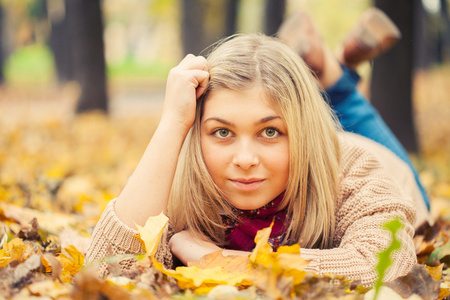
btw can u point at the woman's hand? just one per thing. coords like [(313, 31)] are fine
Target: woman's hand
[(185, 83), (147, 190), (188, 248)]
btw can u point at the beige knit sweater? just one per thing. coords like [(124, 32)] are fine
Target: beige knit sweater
[(376, 187)]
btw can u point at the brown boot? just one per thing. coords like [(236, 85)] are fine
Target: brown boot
[(299, 32), (374, 34)]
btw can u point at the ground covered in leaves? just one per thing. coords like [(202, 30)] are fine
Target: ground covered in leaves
[(58, 171)]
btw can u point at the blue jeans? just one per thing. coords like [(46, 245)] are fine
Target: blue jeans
[(357, 115)]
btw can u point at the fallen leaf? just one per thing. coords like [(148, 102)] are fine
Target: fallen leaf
[(387, 293), (417, 281), (70, 264), (435, 272), (49, 288), (441, 254), (24, 269), (51, 264), (230, 263), (151, 233)]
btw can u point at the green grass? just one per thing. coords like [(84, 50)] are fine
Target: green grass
[(32, 64), (130, 69)]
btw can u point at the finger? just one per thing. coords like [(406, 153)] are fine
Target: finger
[(191, 62), (202, 78)]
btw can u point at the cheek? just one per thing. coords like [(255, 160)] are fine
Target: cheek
[(279, 164), (213, 158)]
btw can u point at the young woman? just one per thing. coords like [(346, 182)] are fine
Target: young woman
[(245, 138)]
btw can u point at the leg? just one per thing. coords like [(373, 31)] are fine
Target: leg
[(355, 113)]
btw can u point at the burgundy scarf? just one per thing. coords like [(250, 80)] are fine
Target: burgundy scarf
[(240, 234)]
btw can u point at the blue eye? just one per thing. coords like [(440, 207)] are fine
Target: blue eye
[(270, 132), (222, 133)]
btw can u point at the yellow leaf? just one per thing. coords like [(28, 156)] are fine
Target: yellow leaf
[(263, 268), (231, 263), (195, 277), (152, 231), (183, 283), (71, 264), (15, 248), (293, 249), (261, 253), (215, 276), (46, 264), (5, 259), (76, 255), (435, 272)]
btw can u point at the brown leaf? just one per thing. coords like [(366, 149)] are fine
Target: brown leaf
[(417, 281), (23, 272), (50, 261), (88, 286), (31, 234)]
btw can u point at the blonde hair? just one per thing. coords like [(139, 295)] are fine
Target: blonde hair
[(237, 64)]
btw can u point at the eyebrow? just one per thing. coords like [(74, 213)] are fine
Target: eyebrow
[(262, 121)]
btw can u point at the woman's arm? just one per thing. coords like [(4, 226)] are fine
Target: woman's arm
[(147, 191), (188, 248), (369, 197)]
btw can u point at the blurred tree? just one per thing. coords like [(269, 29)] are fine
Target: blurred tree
[(391, 84), (203, 23), (231, 17), (446, 30), (193, 28), (62, 50), (2, 56), (273, 15), (85, 37)]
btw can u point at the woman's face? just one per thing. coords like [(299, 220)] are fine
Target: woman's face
[(245, 147)]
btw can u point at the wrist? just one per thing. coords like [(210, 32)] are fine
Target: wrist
[(173, 127), (175, 123)]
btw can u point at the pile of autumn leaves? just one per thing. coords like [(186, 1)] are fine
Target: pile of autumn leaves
[(57, 176)]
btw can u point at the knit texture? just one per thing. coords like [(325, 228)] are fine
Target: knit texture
[(376, 187)]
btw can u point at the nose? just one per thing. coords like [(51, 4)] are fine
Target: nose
[(245, 155)]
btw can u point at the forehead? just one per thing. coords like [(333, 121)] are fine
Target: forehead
[(250, 100)]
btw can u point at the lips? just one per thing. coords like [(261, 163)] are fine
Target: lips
[(247, 185)]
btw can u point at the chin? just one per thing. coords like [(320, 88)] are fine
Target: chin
[(245, 204)]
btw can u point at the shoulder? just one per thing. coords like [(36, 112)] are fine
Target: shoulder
[(367, 187)]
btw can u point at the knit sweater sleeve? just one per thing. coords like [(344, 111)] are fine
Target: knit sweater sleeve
[(112, 237), (368, 198)]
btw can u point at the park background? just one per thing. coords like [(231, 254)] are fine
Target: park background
[(82, 85)]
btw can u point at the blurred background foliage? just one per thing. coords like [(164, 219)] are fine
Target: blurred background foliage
[(143, 37), (140, 40)]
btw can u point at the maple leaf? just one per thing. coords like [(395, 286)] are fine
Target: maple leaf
[(70, 265), (230, 263), (264, 268)]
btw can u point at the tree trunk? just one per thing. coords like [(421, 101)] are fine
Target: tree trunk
[(445, 31), (273, 15), (60, 43), (391, 84), (84, 21), (2, 55), (193, 33), (231, 17)]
